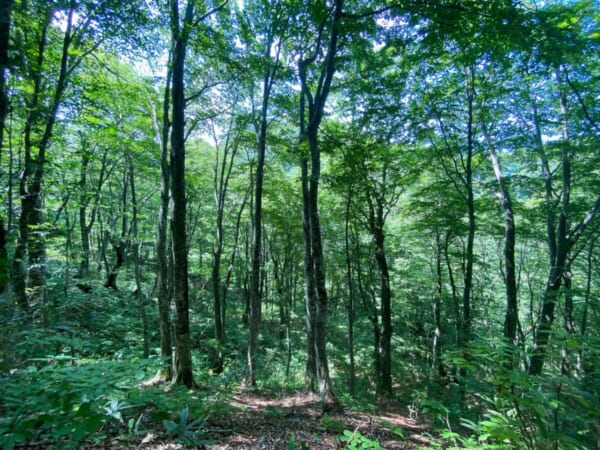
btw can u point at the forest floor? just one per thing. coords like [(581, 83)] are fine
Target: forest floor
[(264, 421)]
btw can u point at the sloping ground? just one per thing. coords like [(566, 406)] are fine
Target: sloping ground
[(261, 421), (264, 422)]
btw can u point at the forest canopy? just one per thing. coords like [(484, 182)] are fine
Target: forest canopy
[(382, 201)]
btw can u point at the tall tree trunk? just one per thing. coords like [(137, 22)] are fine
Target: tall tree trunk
[(36, 246), (255, 278), (511, 317), (453, 288), (384, 334), (5, 17), (309, 131), (84, 265), (561, 238), (163, 293), (255, 258), (350, 282), (183, 354), (121, 243), (581, 362), (231, 265), (85, 226), (136, 260), (218, 306), (437, 307), (468, 182), (222, 171), (220, 181), (261, 144), (309, 283), (32, 244), (324, 381)]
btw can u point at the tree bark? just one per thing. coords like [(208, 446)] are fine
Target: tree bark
[(468, 182), (511, 317), (437, 307), (136, 260), (163, 273), (222, 171), (384, 334), (5, 17), (84, 265), (561, 238), (31, 239), (581, 361), (122, 242), (309, 282), (309, 130), (261, 144), (85, 226), (350, 282), (183, 355)]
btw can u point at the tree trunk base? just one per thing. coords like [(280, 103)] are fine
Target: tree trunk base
[(330, 403)]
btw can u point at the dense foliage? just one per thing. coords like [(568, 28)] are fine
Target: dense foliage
[(364, 199)]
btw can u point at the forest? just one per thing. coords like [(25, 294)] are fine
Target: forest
[(300, 224)]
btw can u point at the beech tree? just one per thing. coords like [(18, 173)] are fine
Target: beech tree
[(402, 195), (268, 23), (5, 15), (53, 55), (321, 55)]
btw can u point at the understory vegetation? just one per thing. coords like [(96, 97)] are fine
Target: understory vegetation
[(300, 224), (82, 380)]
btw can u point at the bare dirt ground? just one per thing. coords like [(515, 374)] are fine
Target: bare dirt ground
[(261, 421)]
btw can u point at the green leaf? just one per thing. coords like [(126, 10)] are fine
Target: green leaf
[(171, 427)]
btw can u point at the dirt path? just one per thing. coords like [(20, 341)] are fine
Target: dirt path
[(266, 422)]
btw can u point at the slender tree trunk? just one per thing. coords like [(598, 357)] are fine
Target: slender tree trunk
[(255, 297), (119, 246), (569, 320), (163, 273), (255, 278), (221, 173), (183, 355), (255, 302), (218, 306), (68, 244), (28, 189), (232, 260), (309, 134), (5, 17), (36, 246), (437, 306), (309, 279), (85, 226), (122, 242), (350, 282), (468, 181), (511, 317), (320, 322), (581, 363), (384, 350), (561, 240), (462, 177), (453, 290), (32, 205), (84, 266), (136, 260)]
